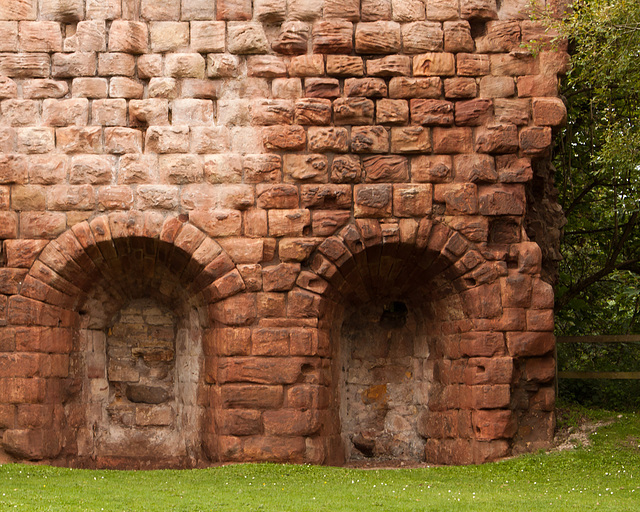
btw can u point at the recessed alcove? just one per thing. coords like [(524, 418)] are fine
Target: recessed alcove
[(139, 358)]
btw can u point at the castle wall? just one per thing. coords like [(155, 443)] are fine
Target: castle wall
[(272, 231)]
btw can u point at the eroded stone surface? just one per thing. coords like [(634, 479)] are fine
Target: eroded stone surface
[(274, 231)]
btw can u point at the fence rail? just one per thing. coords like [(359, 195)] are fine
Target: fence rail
[(624, 338)]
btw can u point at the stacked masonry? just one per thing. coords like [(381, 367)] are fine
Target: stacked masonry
[(280, 230)]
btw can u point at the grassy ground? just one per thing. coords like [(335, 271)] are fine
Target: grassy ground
[(604, 476)]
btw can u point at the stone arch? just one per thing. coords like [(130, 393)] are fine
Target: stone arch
[(164, 275), (437, 388)]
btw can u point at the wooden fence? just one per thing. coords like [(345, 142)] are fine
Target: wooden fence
[(627, 338)]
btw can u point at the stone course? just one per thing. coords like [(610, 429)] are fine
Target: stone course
[(279, 230)]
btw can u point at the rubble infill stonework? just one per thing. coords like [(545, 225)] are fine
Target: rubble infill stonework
[(279, 230)]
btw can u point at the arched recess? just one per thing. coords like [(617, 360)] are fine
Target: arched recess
[(130, 293), (421, 368)]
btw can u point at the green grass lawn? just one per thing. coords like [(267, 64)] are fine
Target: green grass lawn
[(603, 476)]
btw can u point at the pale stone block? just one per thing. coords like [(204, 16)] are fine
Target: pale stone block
[(185, 65), (40, 36), (103, 9), (164, 10), (208, 36), (198, 9), (8, 36), (169, 36), (90, 36), (247, 38), (192, 112)]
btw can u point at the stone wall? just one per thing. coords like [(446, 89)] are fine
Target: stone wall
[(279, 230)]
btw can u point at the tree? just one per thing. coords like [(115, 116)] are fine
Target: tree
[(597, 159)]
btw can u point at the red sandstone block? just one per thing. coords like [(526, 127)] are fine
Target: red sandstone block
[(322, 88), (501, 199), (260, 370), (544, 399), (469, 64), (495, 396), (22, 253), (303, 304), (70, 65), (537, 85), (40, 36), (116, 64), (274, 449), (497, 87), (277, 196), (123, 87), (7, 416), (23, 390), (540, 369), (13, 168), (292, 38), (516, 290), (508, 64), (412, 200), (369, 139), (536, 140), (373, 200), (270, 342), (42, 224), (431, 112), (530, 343), (332, 36), (291, 422), (309, 168), (110, 113), (458, 88), (89, 87), (238, 310), (8, 36), (499, 138), (149, 112), (128, 36), (457, 37), (378, 37), (494, 424), (91, 169), (35, 140), (280, 278), (549, 112), (474, 112), (20, 112), (482, 344), (483, 301), (489, 370), (288, 222), (475, 168), (434, 64), (239, 422), (512, 111), (272, 112), (459, 198), (512, 169), (69, 197), (452, 140), (8, 225), (284, 137), (391, 65), (167, 139), (72, 139), (401, 87), (28, 65), (43, 339), (115, 197), (540, 320)]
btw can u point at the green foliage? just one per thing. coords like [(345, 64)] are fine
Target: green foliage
[(597, 159), (603, 477)]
